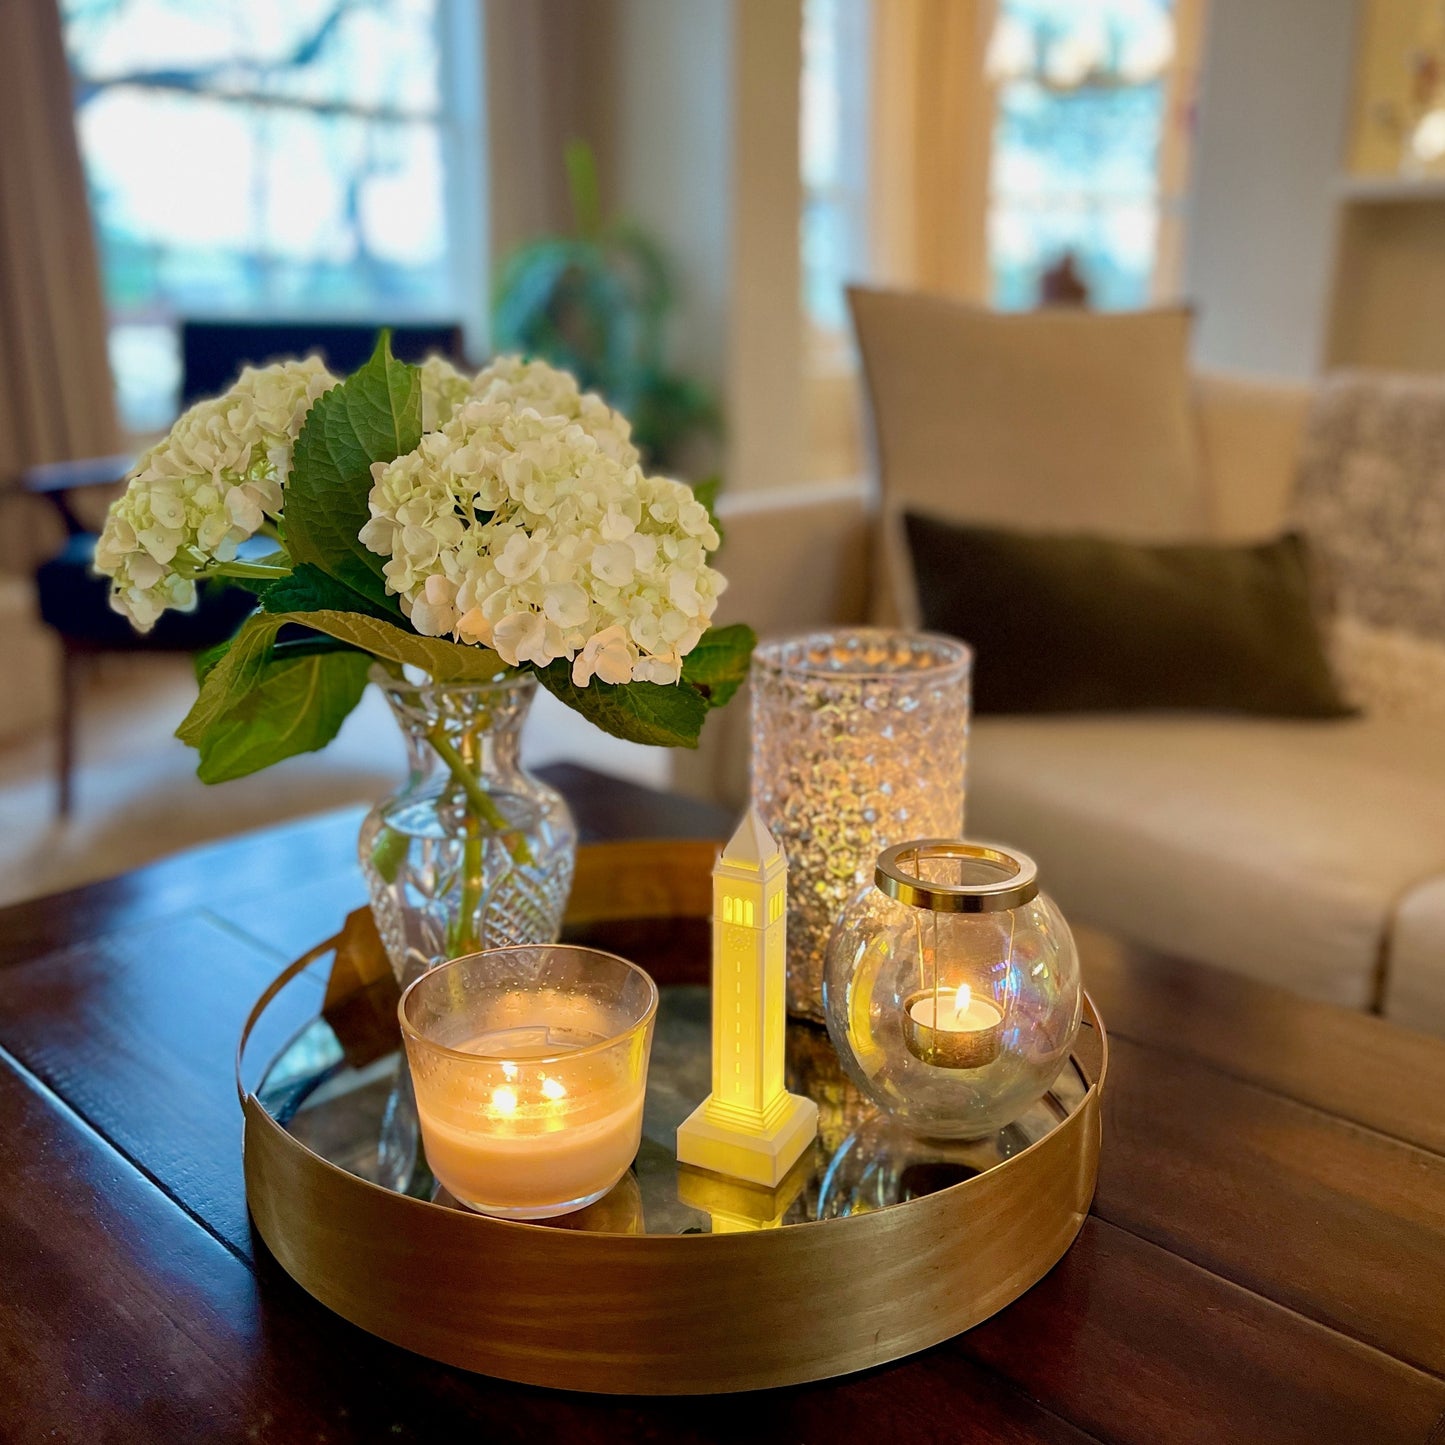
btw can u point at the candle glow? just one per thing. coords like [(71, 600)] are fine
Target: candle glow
[(529, 1088)]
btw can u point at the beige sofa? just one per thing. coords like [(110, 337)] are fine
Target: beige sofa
[(1307, 854)]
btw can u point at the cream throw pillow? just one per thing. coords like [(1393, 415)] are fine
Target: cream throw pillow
[(1059, 421)]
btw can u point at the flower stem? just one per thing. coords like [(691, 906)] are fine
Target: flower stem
[(465, 936), (259, 570), (479, 798)]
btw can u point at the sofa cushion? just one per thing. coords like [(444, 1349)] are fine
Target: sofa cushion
[(1057, 420), (1086, 624), (1250, 433), (1415, 982), (1281, 850)]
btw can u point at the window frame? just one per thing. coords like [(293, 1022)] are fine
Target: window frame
[(1168, 193), (460, 125)]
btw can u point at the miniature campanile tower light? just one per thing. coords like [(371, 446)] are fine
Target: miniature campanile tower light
[(749, 1126)]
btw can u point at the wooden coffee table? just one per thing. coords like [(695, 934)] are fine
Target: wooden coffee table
[(1265, 1260)]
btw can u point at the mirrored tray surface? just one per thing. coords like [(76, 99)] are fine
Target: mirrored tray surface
[(361, 1118)]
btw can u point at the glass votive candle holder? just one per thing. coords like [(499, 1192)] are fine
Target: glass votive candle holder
[(530, 1066), (952, 988)]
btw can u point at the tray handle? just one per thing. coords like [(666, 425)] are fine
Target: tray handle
[(291, 971)]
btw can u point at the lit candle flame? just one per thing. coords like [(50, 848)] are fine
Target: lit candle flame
[(962, 1000), (504, 1100)]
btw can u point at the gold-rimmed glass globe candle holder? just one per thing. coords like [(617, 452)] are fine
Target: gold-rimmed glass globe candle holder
[(952, 988), (530, 1066)]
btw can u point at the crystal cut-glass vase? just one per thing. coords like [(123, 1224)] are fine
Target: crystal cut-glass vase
[(472, 852)]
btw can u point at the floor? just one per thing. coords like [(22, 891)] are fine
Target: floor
[(137, 797)]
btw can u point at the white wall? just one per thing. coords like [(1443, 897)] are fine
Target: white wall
[(671, 157), (1274, 104), (765, 342), (703, 151)]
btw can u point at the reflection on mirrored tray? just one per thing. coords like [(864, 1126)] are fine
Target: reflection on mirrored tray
[(362, 1118)]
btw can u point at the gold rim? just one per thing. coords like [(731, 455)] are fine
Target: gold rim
[(896, 874)]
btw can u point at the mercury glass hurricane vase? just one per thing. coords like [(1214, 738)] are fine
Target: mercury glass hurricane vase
[(859, 739), (472, 852)]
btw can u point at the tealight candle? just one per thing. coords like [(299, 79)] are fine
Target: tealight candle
[(951, 1029), (530, 1066)]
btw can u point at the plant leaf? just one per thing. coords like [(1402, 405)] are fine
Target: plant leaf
[(706, 492), (718, 665), (243, 665), (373, 416), (442, 660), (229, 677), (641, 712), (206, 659), (309, 589), (296, 706)]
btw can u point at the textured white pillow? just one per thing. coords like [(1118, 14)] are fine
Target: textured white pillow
[(1370, 496), (1388, 672)]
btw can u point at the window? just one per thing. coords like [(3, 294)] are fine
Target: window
[(834, 144), (1082, 98), (275, 159)]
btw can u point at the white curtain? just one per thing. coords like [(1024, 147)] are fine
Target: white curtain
[(548, 75), (56, 398), (932, 134)]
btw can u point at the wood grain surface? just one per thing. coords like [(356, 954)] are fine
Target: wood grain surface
[(1259, 1266)]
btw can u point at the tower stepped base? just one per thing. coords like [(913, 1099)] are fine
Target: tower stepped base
[(761, 1156)]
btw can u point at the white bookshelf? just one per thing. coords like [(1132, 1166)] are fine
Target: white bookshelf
[(1387, 299)]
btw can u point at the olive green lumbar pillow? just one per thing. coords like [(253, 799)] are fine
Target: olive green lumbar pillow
[(1064, 623)]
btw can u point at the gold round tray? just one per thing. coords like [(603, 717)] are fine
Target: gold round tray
[(678, 1282)]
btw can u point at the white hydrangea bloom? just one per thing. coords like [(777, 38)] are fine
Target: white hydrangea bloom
[(198, 494), (550, 392), (443, 390), (523, 532)]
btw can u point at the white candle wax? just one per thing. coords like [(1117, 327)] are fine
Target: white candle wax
[(953, 1030), (528, 1136), (956, 1012)]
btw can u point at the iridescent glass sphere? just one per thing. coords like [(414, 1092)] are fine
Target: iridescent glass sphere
[(951, 988)]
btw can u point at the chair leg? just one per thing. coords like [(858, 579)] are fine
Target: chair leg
[(65, 753)]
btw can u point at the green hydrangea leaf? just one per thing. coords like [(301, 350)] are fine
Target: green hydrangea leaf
[(706, 492), (253, 661), (640, 712), (718, 665), (206, 659), (373, 416), (296, 705), (230, 676), (309, 589), (442, 660)]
